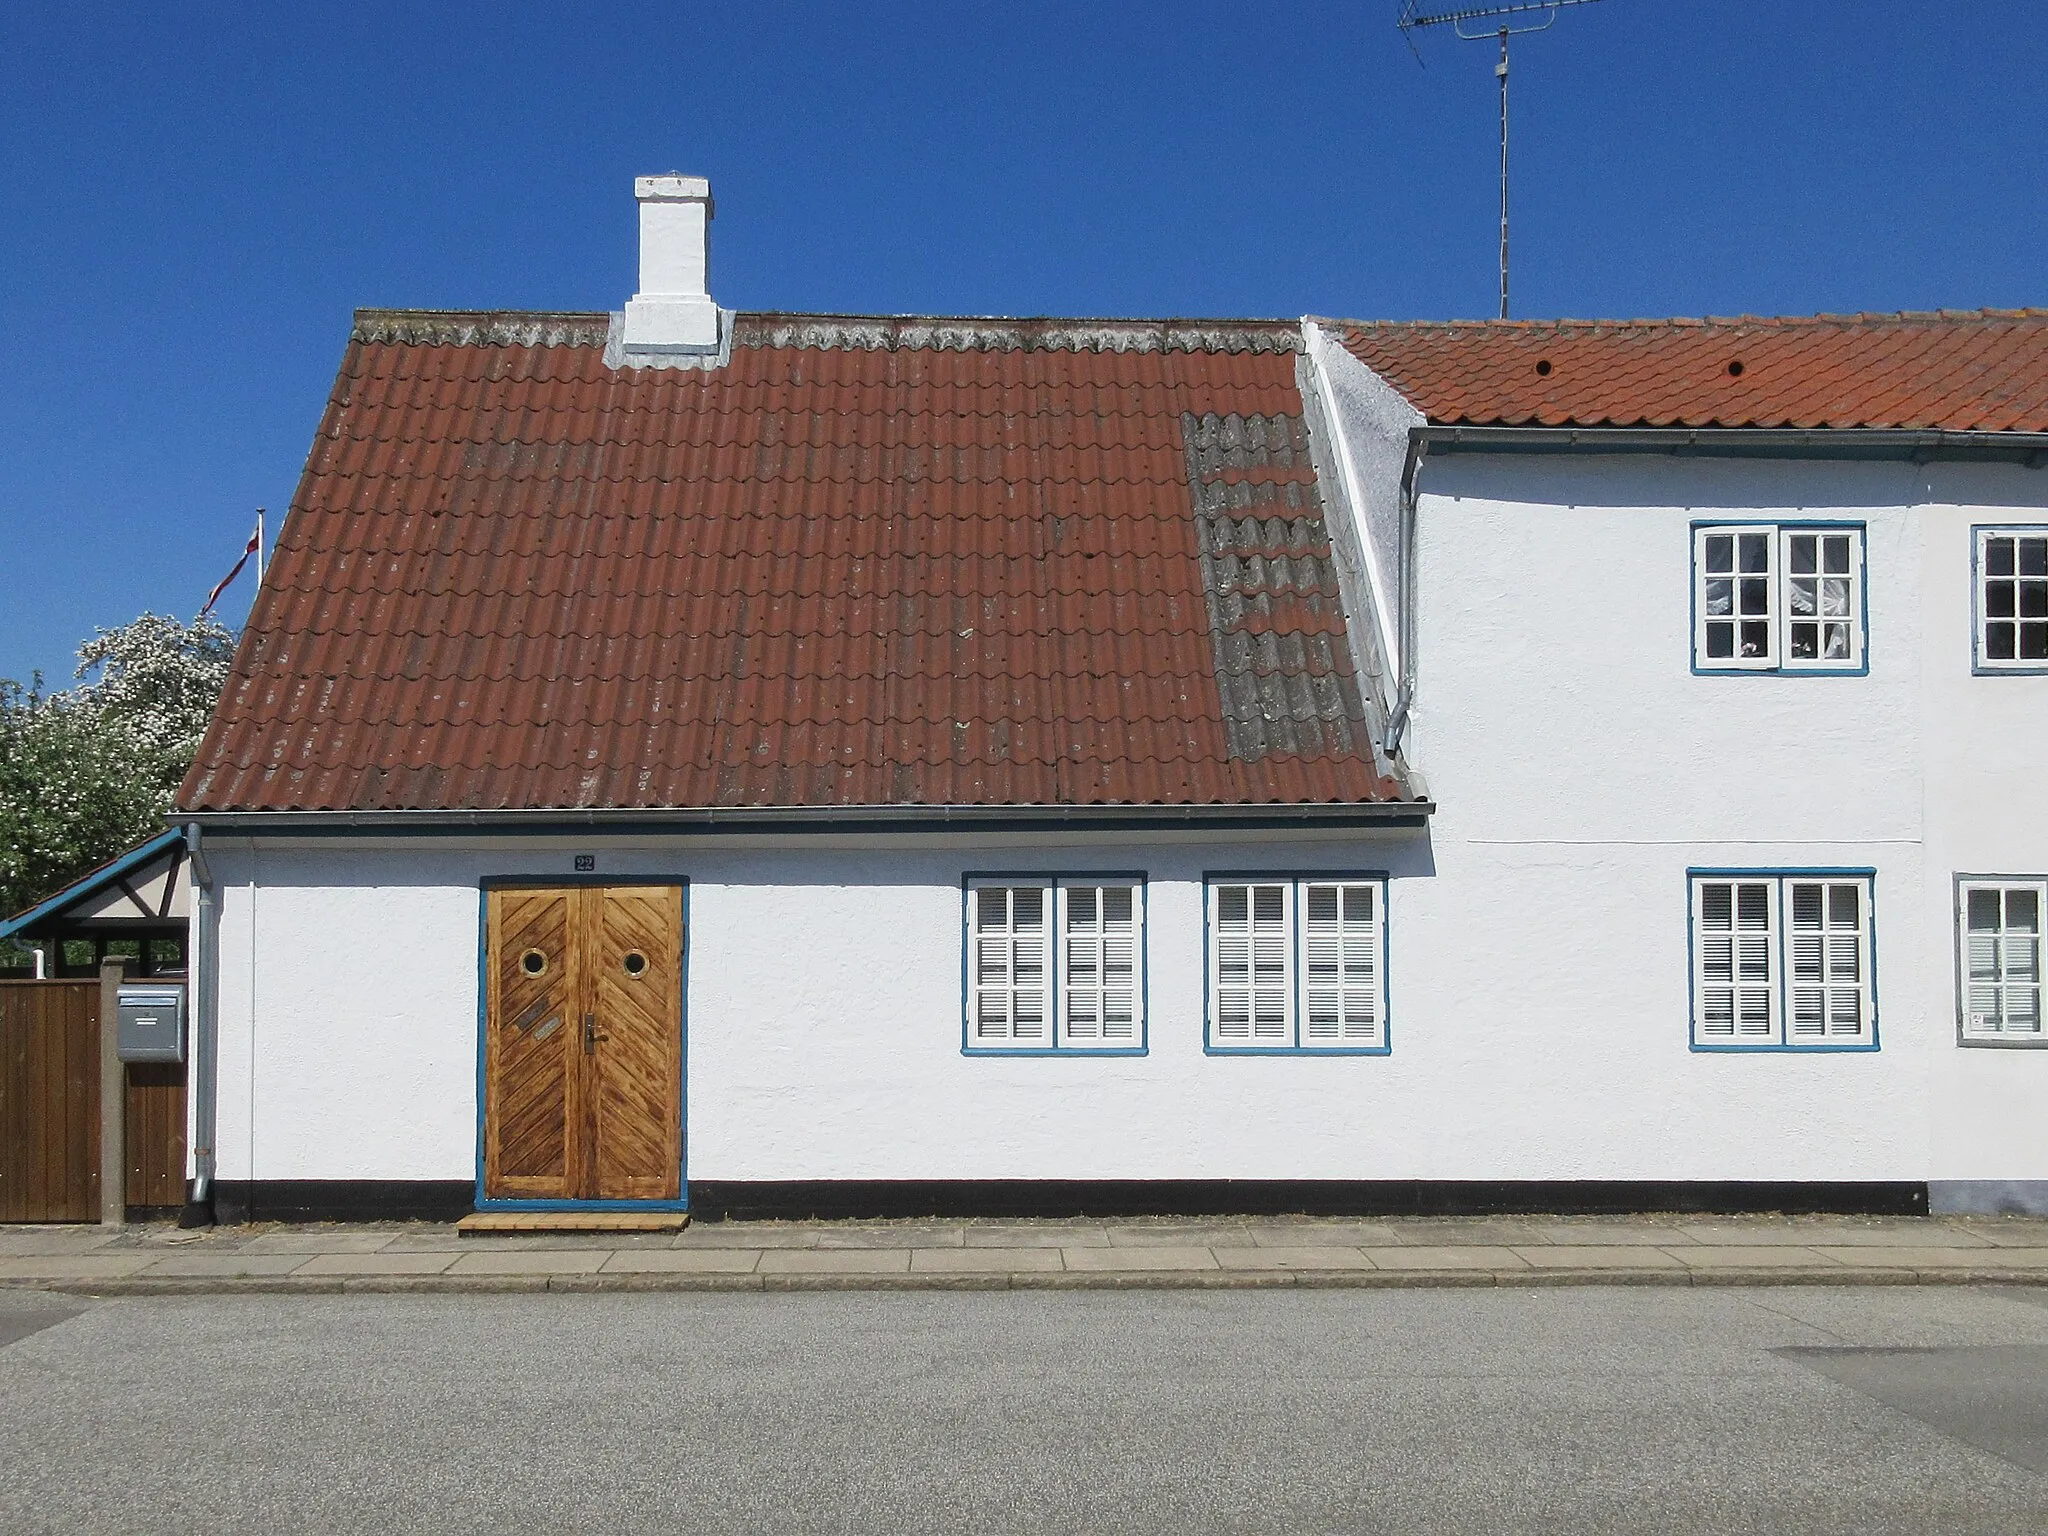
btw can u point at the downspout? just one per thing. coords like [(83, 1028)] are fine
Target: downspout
[(204, 968), (1411, 472)]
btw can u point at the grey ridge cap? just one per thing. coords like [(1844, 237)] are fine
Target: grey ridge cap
[(808, 818), (1919, 445)]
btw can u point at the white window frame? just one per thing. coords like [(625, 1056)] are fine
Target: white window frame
[(1975, 1023), (1064, 1029), (1797, 972), (1328, 974), (1981, 660), (1781, 617)]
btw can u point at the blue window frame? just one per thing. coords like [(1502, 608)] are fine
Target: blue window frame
[(1783, 959), (2009, 600), (1053, 965), (1296, 965), (1780, 598)]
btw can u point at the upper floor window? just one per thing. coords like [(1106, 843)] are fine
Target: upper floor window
[(1055, 965), (1778, 598), (1782, 960), (1297, 964), (2012, 599), (2001, 960)]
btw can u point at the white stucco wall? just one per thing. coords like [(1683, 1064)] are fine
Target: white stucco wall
[(1579, 762)]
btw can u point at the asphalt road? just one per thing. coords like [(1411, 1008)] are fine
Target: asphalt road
[(1902, 1409)]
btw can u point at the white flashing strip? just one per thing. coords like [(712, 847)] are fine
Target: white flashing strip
[(1351, 489)]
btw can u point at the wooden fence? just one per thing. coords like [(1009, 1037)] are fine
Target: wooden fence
[(50, 1101), (50, 1111)]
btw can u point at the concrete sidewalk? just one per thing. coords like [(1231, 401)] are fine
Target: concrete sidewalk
[(1078, 1254)]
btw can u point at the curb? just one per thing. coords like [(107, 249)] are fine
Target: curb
[(1036, 1280)]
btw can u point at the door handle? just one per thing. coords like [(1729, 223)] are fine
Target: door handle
[(589, 1034)]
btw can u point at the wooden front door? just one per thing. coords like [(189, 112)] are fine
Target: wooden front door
[(583, 1063)]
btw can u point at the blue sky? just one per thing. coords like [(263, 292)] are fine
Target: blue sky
[(193, 198)]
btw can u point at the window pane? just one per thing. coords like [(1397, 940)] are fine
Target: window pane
[(2034, 599), (2022, 909), (1982, 907), (1756, 595), (1081, 906), (1845, 906), (2000, 641), (1998, 557), (1266, 903), (1720, 598), (2034, 642), (1999, 599), (1834, 598), (1753, 906), (1028, 907), (2033, 557), (1720, 642), (1803, 556), (1803, 642), (1806, 906), (1118, 904), (1720, 554), (1756, 638), (1835, 549), (1800, 596), (1233, 903), (1717, 907), (1358, 904), (1836, 647), (1755, 552)]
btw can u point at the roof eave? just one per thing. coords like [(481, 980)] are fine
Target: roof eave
[(1915, 445), (92, 881), (767, 819)]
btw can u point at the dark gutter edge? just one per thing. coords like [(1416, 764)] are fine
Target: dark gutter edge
[(2029, 448), (756, 820)]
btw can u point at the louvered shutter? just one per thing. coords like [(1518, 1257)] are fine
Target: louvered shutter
[(1009, 949), (1827, 968), (1734, 952), (1101, 938), (1250, 969), (2002, 960), (1340, 965)]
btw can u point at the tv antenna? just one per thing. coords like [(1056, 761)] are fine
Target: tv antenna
[(1476, 24)]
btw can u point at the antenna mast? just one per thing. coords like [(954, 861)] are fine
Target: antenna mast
[(1491, 21)]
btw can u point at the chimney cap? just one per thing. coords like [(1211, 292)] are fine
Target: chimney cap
[(672, 188)]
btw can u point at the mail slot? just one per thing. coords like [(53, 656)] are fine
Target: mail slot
[(151, 1024)]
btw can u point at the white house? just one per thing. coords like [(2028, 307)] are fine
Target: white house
[(759, 762)]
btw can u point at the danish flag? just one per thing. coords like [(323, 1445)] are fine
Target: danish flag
[(253, 547)]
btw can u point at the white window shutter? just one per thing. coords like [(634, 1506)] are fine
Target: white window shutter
[(2001, 959), (1734, 961), (1009, 952), (1102, 941), (1250, 965), (1340, 965)]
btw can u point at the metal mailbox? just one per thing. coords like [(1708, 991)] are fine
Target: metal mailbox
[(151, 1023)]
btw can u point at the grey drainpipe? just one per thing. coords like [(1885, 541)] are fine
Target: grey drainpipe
[(203, 964), (1411, 471)]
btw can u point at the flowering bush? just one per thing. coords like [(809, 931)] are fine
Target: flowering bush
[(86, 772)]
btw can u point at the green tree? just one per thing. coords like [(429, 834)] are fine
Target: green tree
[(87, 772)]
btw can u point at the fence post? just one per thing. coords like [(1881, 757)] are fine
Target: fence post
[(113, 1099)]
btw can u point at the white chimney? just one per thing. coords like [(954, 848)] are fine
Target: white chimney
[(673, 311)]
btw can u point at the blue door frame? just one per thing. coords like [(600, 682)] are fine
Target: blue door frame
[(483, 1012)]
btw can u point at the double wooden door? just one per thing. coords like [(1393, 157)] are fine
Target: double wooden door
[(583, 1062)]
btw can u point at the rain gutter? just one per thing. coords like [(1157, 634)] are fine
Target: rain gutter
[(753, 820), (1917, 446)]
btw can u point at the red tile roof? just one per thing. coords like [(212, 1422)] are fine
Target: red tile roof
[(879, 562), (1975, 371)]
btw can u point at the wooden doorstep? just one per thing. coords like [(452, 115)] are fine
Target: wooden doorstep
[(572, 1221)]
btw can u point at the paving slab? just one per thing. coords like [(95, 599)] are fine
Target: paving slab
[(1149, 1257), (1177, 1234), (1336, 1234), (320, 1242), (993, 1261), (1619, 1256), (375, 1264), (1051, 1234), (1318, 1256), (1839, 1234), (34, 1241), (1440, 1257), (683, 1261), (2004, 1231), (892, 1235), (1604, 1234), (835, 1261), (1757, 1256), (1459, 1232), (84, 1266), (745, 1234), (1916, 1257), (192, 1266), (530, 1261)]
